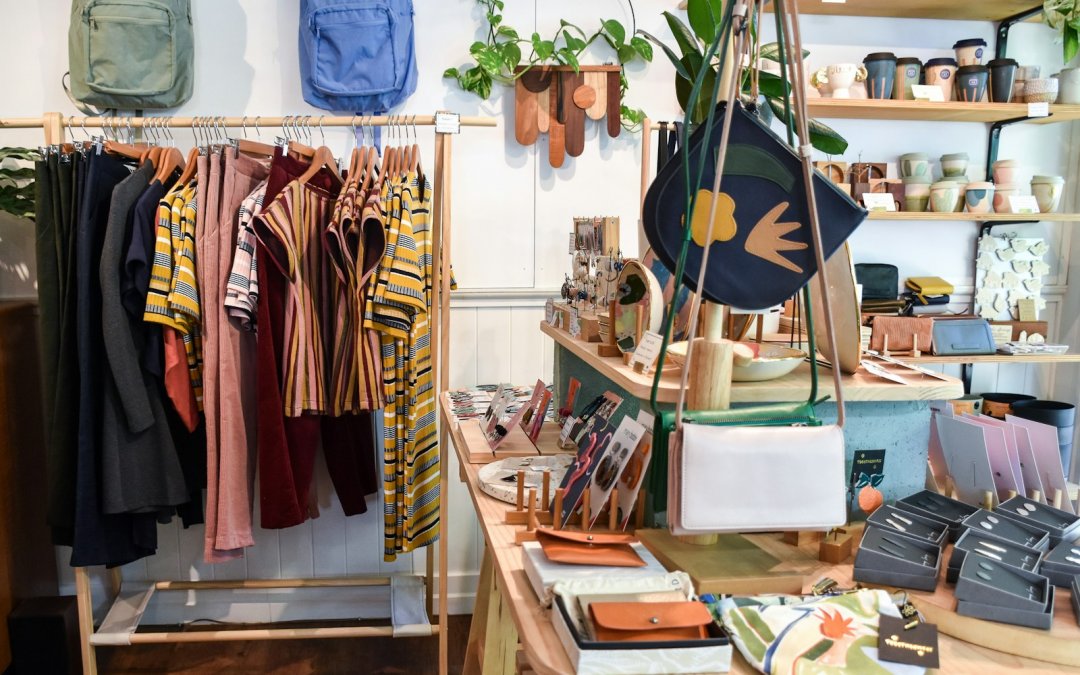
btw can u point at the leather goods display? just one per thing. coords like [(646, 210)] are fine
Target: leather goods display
[(963, 337), (928, 286), (649, 621), (131, 54), (588, 548), (760, 235), (901, 331), (780, 468), (879, 281)]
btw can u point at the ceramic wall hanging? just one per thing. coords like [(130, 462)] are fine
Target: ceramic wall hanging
[(1007, 270), (556, 100)]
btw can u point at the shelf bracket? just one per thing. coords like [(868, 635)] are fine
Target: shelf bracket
[(995, 140), (1006, 24)]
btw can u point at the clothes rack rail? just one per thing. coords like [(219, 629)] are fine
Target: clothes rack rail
[(119, 627)]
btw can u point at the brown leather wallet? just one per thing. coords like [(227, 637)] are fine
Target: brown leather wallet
[(586, 548), (649, 621), (901, 331)]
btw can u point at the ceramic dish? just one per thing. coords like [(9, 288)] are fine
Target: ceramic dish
[(772, 361)]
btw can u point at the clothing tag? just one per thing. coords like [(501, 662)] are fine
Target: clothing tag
[(917, 646), (879, 201), (1023, 204), (1038, 109), (447, 123), (927, 92), (564, 435), (648, 350)]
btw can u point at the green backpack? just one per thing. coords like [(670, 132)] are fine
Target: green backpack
[(131, 54)]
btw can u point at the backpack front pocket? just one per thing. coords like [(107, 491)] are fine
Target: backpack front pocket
[(130, 48), (355, 54)]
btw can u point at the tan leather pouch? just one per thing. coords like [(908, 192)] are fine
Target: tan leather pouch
[(902, 331), (586, 548), (649, 621)]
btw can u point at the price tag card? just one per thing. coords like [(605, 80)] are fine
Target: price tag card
[(575, 323), (648, 350), (1028, 308), (928, 92), (1001, 333), (1038, 109), (573, 243), (447, 123), (567, 427), (1025, 204), (879, 201), (549, 312)]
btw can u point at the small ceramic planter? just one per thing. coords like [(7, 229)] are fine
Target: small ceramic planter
[(979, 197), (971, 83), (1042, 90), (916, 194), (908, 73), (1002, 192), (1002, 79), (1069, 86), (961, 195), (1005, 171), (837, 80), (941, 73), (970, 52), (915, 164), (880, 74), (1047, 191), (954, 165), (943, 196), (1023, 74)]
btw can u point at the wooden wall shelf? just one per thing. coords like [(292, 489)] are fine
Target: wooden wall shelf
[(928, 111), (858, 387), (976, 10), (975, 218), (993, 358)]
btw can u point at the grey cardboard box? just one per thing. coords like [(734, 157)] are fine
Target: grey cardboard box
[(1062, 563), (909, 524), (1025, 534), (993, 548), (938, 507), (1043, 619), (1060, 524), (987, 582), (884, 557)]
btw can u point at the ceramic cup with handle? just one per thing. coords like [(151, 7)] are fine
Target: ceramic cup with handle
[(908, 73), (979, 197), (1002, 80), (840, 77), (970, 52), (880, 74), (1047, 191), (941, 73)]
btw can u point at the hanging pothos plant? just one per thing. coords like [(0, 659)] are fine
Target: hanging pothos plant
[(1064, 15), (498, 57), (705, 17), (17, 181)]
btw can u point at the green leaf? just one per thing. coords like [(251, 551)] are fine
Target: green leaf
[(499, 4), (545, 50), (676, 61), (615, 30), (693, 63), (490, 60), (705, 17), (563, 23), (494, 19), (573, 43), (642, 47), (626, 54), (570, 59), (511, 54), (477, 47), (771, 52), (772, 85), (450, 72), (823, 138), (684, 37), (1070, 42), (507, 32)]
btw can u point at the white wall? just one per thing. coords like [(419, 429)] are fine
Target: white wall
[(511, 210)]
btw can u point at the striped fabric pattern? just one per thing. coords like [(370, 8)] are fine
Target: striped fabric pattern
[(242, 286)]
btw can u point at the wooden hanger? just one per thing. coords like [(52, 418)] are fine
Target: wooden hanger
[(249, 147), (189, 169), (323, 157), (171, 160)]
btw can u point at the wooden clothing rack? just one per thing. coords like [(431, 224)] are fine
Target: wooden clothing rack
[(120, 629)]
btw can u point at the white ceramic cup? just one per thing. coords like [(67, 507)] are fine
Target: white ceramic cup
[(1047, 191), (840, 78)]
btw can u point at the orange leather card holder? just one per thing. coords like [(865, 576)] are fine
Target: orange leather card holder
[(585, 548), (649, 621)]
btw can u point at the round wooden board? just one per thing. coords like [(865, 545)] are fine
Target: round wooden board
[(584, 96), (1060, 644)]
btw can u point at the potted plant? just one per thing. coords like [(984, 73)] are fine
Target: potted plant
[(1064, 15)]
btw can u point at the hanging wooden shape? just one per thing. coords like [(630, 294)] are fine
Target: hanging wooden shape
[(575, 115), (598, 82), (556, 131), (584, 96), (525, 125), (536, 80), (614, 104), (543, 110)]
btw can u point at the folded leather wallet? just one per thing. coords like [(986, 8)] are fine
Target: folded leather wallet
[(587, 548), (649, 621), (929, 286), (879, 281), (901, 331)]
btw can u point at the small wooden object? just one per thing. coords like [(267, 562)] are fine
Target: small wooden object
[(1059, 498), (613, 510), (598, 82), (526, 129), (584, 97), (987, 500), (1036, 495), (531, 522), (801, 537), (574, 115), (834, 171), (521, 515), (557, 524), (545, 500), (915, 346), (614, 103), (586, 503), (835, 548), (556, 130)]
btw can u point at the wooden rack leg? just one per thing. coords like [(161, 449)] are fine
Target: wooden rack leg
[(85, 603), (586, 506), (557, 519), (443, 153), (613, 510), (545, 498)]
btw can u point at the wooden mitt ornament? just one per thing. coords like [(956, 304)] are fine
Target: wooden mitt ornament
[(556, 100)]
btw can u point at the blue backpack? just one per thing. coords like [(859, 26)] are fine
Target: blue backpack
[(357, 55)]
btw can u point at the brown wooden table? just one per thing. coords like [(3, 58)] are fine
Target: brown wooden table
[(508, 617)]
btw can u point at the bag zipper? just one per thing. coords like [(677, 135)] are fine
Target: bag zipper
[(124, 19)]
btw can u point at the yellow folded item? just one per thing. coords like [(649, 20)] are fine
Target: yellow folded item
[(929, 285)]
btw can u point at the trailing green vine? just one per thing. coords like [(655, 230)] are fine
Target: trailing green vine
[(17, 181), (505, 49)]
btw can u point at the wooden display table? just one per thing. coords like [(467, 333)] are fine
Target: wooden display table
[(507, 610)]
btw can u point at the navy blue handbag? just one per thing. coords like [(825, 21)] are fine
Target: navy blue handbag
[(357, 55)]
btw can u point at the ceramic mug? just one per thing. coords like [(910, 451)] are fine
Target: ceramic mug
[(1069, 86), (970, 52), (914, 164), (969, 403), (971, 83), (916, 195), (943, 196), (880, 74), (1047, 191), (1005, 170), (979, 197), (941, 73), (840, 77), (1002, 192), (1002, 80), (908, 73), (954, 165)]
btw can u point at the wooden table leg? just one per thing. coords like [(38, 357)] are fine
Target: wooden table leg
[(478, 624)]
